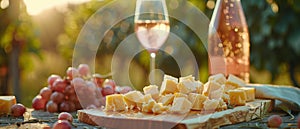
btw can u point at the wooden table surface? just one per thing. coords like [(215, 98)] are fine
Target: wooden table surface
[(39, 119)]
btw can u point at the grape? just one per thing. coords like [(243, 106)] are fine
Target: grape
[(64, 107), (98, 92), (109, 82), (18, 110), (274, 121), (107, 91), (72, 72), (72, 98), (57, 97), (65, 116), (51, 106), (46, 93), (52, 78), (83, 69), (59, 85), (78, 82), (38, 103), (62, 124), (98, 80), (69, 90)]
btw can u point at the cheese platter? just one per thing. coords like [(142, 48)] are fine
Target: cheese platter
[(180, 103)]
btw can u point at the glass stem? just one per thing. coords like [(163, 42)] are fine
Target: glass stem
[(152, 67)]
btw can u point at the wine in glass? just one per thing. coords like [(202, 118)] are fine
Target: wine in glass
[(152, 27)]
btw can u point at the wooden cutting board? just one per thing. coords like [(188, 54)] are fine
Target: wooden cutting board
[(194, 119)]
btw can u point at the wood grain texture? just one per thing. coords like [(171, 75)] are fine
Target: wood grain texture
[(194, 119)]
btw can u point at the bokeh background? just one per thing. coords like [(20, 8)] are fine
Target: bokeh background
[(37, 39)]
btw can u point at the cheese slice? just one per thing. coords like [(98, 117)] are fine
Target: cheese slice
[(217, 93), (5, 104), (237, 97), (197, 100), (115, 102), (250, 93), (219, 78), (152, 90), (181, 105), (169, 85), (166, 99), (134, 99)]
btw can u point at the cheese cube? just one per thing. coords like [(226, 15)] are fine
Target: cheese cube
[(5, 104), (209, 87), (159, 108), (134, 99), (210, 105), (197, 100), (250, 93), (225, 98), (166, 99), (169, 85), (187, 78), (180, 95), (153, 90), (219, 78), (199, 87), (217, 94), (235, 81), (187, 86), (147, 107), (181, 105), (147, 98), (115, 102), (222, 105), (237, 97)]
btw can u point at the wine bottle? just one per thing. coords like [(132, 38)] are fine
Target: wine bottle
[(228, 40)]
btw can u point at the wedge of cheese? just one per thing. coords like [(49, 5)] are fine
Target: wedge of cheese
[(233, 82), (197, 100), (5, 104), (169, 85), (152, 90), (134, 99), (250, 93), (237, 97), (181, 105), (166, 99), (115, 102), (219, 78)]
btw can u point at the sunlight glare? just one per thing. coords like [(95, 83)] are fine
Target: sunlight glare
[(35, 7)]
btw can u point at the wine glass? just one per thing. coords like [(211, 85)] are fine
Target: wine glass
[(152, 27)]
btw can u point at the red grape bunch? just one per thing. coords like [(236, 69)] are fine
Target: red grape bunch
[(76, 90)]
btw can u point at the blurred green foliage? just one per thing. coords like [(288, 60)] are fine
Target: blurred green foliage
[(275, 35)]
